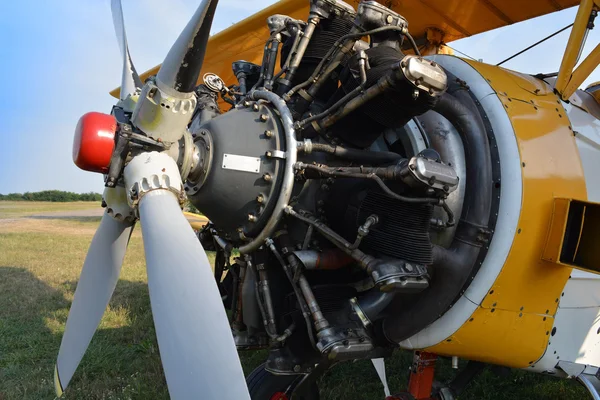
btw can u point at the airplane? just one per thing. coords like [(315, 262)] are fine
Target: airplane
[(366, 191)]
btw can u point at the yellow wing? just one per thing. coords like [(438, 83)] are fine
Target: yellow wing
[(454, 18)]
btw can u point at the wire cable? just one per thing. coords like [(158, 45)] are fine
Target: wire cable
[(535, 44)]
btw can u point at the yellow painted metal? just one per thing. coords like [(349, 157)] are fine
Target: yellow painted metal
[(197, 221), (526, 293), (568, 81), (582, 72), (554, 241), (57, 386), (455, 18)]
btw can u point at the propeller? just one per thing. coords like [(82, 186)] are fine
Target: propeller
[(96, 284), (130, 80), (196, 345)]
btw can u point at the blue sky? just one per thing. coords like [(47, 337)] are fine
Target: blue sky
[(60, 59)]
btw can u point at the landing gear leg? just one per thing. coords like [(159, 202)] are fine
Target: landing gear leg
[(420, 382), (422, 373)]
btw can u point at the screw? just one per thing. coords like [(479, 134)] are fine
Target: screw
[(269, 134), (246, 103), (255, 107), (268, 154), (267, 177), (260, 198), (264, 117)]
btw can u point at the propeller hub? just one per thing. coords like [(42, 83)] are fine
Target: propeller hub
[(94, 141)]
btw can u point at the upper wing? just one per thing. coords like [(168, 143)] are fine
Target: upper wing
[(456, 18)]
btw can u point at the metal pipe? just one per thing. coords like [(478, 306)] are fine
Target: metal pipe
[(325, 260), (291, 154), (383, 84), (362, 64), (299, 54), (320, 321), (238, 317), (303, 306), (342, 46), (346, 153), (363, 230), (265, 291), (373, 173), (271, 52)]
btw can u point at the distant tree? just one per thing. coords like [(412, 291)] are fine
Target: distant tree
[(51, 195)]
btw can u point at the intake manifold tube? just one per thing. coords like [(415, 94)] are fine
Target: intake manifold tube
[(452, 267)]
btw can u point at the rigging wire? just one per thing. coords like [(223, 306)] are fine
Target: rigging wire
[(535, 44)]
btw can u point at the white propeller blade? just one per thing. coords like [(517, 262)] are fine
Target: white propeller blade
[(97, 282), (183, 63), (130, 80), (195, 341)]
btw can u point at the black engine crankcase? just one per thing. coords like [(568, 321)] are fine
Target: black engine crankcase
[(241, 169)]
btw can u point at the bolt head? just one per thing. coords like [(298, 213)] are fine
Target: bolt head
[(264, 117), (255, 107), (269, 134), (267, 177), (260, 198)]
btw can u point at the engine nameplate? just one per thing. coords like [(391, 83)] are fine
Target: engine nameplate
[(241, 163)]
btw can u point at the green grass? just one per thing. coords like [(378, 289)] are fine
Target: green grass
[(38, 274), (15, 209)]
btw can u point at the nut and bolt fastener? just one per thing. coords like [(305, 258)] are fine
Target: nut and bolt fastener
[(251, 218), (264, 117), (269, 134), (260, 198), (255, 107), (267, 177)]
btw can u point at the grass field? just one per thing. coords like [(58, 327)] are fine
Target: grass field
[(40, 261)]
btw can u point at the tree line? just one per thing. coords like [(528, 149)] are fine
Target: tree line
[(52, 195)]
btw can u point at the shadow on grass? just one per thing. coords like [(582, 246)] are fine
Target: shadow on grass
[(121, 362)]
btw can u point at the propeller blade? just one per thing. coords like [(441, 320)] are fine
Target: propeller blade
[(130, 80), (196, 345), (97, 282), (183, 63)]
